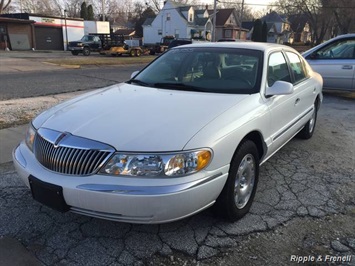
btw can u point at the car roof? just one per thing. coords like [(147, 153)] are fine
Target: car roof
[(242, 45)]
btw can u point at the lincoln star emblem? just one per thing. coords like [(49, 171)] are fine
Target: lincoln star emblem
[(59, 139)]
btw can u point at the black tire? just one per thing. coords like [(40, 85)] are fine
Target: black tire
[(308, 130), (132, 53), (74, 52), (138, 53), (86, 51), (238, 193)]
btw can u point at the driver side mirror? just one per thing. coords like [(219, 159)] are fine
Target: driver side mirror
[(279, 88)]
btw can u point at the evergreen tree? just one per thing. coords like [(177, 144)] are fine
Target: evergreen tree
[(90, 11), (84, 11), (257, 31), (264, 32), (139, 20)]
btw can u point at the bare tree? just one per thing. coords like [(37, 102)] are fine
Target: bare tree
[(45, 7), (156, 5), (4, 4), (344, 15), (73, 8), (318, 12), (247, 11)]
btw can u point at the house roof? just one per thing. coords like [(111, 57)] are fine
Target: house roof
[(148, 21), (269, 25), (15, 20), (222, 15), (27, 16), (127, 32), (273, 16), (248, 25), (200, 21)]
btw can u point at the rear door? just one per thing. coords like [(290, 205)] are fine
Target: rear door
[(304, 88)]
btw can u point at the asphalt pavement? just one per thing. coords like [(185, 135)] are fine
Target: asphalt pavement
[(291, 170), (12, 252)]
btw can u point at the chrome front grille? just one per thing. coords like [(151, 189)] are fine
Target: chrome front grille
[(68, 154)]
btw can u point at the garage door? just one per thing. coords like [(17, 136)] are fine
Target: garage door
[(49, 38)]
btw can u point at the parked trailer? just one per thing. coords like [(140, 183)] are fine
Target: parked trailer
[(117, 45)]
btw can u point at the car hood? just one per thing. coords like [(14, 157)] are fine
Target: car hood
[(135, 118)]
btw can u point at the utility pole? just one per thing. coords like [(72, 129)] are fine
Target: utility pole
[(241, 20), (103, 10), (66, 30), (214, 20)]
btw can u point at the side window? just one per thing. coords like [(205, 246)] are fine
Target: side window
[(277, 69), (343, 49), (297, 67)]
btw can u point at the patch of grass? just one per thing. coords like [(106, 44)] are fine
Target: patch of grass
[(103, 60)]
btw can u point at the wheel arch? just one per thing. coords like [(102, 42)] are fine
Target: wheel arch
[(257, 138)]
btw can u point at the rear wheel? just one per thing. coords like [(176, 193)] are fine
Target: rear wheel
[(132, 53), (74, 52), (138, 53), (238, 193), (86, 51), (308, 130)]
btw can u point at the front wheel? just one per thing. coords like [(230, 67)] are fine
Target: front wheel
[(74, 52), (138, 53), (86, 51), (308, 130), (238, 193), (132, 53)]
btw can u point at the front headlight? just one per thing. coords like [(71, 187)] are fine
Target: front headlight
[(30, 137), (174, 164)]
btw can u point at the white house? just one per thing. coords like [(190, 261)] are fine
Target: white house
[(177, 20)]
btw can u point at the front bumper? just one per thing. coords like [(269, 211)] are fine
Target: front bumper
[(126, 199), (72, 48)]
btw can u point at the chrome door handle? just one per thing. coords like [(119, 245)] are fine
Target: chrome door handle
[(347, 67), (297, 101)]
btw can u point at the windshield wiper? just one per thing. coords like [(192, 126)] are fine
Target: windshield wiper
[(139, 82), (179, 86)]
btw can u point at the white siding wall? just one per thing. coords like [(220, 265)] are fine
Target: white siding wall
[(176, 25), (102, 27)]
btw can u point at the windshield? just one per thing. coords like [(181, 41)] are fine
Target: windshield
[(87, 38), (217, 70)]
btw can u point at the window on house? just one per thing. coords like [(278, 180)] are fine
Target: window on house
[(228, 33), (168, 16), (160, 32), (190, 18)]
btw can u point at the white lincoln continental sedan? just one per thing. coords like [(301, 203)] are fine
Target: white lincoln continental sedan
[(187, 132)]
